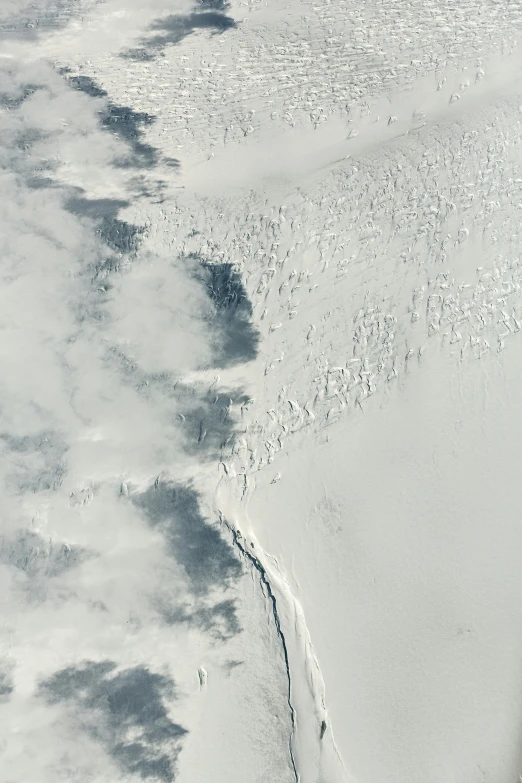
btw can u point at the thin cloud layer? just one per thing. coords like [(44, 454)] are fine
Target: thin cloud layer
[(29, 18), (171, 30), (99, 327), (124, 711)]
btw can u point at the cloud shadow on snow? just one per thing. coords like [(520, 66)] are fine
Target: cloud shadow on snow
[(206, 420), (174, 509), (236, 340), (11, 102), (208, 426), (173, 29), (120, 242), (37, 461), (37, 561), (208, 560), (219, 621), (37, 557), (6, 686), (208, 423), (119, 235), (213, 5), (124, 122), (125, 712)]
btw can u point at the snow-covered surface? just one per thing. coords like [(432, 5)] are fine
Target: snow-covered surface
[(260, 414)]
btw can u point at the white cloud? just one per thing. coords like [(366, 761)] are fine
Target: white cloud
[(82, 567)]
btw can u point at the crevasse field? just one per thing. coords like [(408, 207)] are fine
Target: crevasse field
[(260, 391)]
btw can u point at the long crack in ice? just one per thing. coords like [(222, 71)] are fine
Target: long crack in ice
[(265, 581), (313, 751)]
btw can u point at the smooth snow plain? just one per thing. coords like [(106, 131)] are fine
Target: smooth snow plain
[(260, 411)]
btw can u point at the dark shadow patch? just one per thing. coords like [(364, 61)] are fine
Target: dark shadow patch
[(125, 712), (6, 686), (207, 420), (173, 29), (96, 208), (37, 557), (19, 138), (76, 683), (84, 84), (208, 424), (153, 189), (236, 338), (15, 100), (209, 561), (37, 182), (124, 122), (120, 238), (213, 5), (219, 620), (173, 509), (231, 665), (26, 138), (133, 758), (204, 20), (38, 461), (144, 382), (118, 235)]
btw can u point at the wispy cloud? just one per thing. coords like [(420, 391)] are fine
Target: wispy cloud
[(98, 330)]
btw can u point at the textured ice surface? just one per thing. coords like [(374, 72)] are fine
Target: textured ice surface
[(259, 414)]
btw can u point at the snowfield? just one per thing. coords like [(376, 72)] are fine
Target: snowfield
[(261, 311)]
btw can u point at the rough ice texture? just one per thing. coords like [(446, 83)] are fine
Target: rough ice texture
[(259, 411)]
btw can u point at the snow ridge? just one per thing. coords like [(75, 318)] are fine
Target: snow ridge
[(238, 542), (313, 752)]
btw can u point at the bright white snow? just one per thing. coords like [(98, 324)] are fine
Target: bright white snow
[(296, 558)]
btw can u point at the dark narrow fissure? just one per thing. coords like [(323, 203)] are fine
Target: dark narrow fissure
[(268, 587)]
